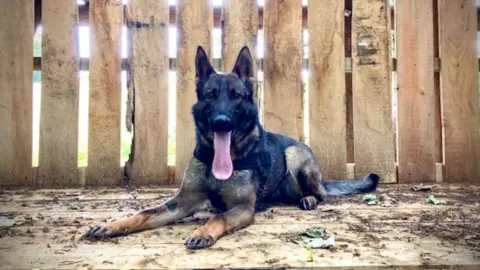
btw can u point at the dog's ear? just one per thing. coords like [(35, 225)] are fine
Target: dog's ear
[(244, 65), (203, 68)]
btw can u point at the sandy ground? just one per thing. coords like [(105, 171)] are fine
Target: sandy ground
[(43, 229)]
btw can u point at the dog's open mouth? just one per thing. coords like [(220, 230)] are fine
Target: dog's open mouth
[(222, 166)]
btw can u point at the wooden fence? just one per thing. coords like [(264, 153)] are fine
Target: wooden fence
[(350, 97)]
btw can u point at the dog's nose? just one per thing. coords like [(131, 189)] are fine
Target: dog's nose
[(221, 122)]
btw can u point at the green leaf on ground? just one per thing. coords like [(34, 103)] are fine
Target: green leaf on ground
[(315, 232), (432, 200), (370, 198)]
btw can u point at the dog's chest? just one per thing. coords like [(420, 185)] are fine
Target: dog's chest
[(225, 194)]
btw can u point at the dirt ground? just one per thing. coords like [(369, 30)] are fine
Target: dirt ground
[(43, 230)]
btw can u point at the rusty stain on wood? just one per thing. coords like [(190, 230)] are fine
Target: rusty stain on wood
[(16, 32), (327, 104), (147, 20), (60, 93), (106, 19)]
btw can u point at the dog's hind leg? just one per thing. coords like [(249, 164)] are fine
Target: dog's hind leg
[(306, 176), (188, 199)]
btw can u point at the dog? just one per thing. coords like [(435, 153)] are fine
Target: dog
[(236, 165)]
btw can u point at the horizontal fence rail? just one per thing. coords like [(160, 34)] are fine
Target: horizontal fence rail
[(390, 87)]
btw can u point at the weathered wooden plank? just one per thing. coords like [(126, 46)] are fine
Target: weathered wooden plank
[(195, 23), (16, 69), (59, 109), (105, 93), (327, 104), (416, 93), (240, 28), (147, 22), (459, 88), (372, 92), (282, 67), (275, 251)]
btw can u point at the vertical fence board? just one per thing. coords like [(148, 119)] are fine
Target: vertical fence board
[(416, 92), (16, 70), (240, 28), (459, 89), (106, 18), (282, 67), (327, 94), (60, 86), (148, 24), (372, 92), (195, 23)]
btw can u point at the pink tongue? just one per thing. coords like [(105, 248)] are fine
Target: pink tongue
[(222, 167)]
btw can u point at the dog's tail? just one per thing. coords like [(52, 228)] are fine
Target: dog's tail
[(352, 186)]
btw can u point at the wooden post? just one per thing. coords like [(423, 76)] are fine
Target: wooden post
[(106, 18), (195, 23), (416, 92), (16, 72), (327, 104), (372, 90), (459, 89), (282, 67), (60, 90), (240, 28), (148, 23)]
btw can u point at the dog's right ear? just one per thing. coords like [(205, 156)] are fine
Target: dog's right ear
[(203, 68)]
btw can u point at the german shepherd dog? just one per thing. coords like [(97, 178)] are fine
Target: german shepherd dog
[(237, 166)]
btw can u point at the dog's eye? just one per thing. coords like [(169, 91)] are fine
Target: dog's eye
[(210, 95), (236, 95)]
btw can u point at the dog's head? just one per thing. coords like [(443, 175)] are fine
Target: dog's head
[(225, 110)]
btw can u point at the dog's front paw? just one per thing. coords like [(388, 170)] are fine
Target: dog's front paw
[(308, 203), (199, 241), (104, 232)]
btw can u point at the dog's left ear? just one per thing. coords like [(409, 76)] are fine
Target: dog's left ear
[(244, 65)]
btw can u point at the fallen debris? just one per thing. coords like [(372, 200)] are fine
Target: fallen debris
[(432, 200), (310, 255), (473, 239), (321, 243), (69, 262), (386, 200), (315, 238), (371, 199), (422, 188), (425, 256), (315, 232)]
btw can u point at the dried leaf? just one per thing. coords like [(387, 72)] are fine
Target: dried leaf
[(315, 232), (310, 255)]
